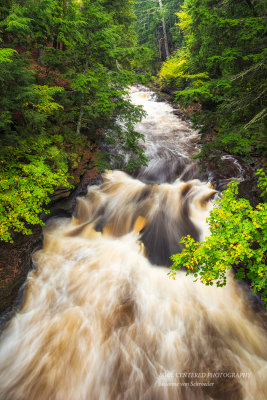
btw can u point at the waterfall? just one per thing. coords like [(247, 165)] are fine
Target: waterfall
[(101, 319)]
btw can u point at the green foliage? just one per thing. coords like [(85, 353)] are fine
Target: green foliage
[(64, 71), (262, 182), (6, 54), (174, 69), (44, 99), (238, 240), (221, 64), (29, 175), (15, 22), (149, 31)]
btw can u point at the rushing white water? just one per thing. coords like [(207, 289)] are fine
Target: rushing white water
[(169, 142), (101, 321), (166, 136)]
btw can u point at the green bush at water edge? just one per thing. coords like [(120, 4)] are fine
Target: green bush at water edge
[(238, 240)]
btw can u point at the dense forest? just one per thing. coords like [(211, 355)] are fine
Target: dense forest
[(133, 200), (65, 69), (218, 60)]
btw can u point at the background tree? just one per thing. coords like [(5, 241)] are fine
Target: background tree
[(65, 67), (221, 65), (156, 30)]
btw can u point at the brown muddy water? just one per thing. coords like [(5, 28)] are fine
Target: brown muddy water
[(101, 320)]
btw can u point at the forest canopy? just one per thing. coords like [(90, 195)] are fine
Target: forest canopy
[(218, 60), (65, 67), (217, 67)]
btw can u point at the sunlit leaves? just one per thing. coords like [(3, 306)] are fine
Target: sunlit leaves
[(64, 71), (29, 175), (44, 100), (6, 55), (238, 240), (224, 70)]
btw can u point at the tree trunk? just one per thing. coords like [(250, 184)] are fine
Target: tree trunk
[(80, 118), (251, 6), (160, 46), (40, 58), (79, 124), (164, 32)]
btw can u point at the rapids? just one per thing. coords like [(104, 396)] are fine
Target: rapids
[(101, 320)]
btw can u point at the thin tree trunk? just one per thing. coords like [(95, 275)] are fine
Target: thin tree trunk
[(40, 58), (251, 6), (80, 118), (79, 124), (160, 46), (164, 32)]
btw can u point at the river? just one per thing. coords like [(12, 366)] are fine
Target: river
[(101, 319)]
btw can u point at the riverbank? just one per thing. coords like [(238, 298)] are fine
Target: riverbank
[(219, 165), (16, 257)]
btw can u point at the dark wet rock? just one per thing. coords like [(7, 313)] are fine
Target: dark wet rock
[(167, 170), (63, 202), (248, 189), (223, 168), (168, 90), (163, 93), (220, 168), (179, 113)]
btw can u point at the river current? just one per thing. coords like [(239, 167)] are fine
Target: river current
[(101, 319)]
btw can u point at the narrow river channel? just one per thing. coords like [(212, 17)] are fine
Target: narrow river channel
[(101, 320)]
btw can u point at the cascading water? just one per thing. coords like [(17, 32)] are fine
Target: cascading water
[(99, 321), (169, 141)]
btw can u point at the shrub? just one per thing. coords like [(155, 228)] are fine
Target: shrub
[(238, 240), (28, 175)]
